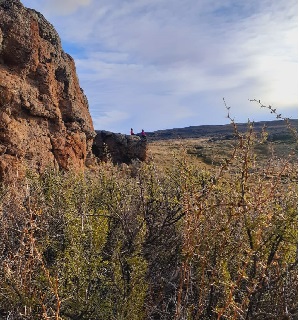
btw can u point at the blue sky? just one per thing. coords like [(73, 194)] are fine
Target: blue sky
[(159, 64)]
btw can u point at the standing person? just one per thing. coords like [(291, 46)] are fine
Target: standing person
[(132, 132), (143, 133)]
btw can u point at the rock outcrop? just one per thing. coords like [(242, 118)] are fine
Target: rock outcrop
[(44, 116), (120, 148)]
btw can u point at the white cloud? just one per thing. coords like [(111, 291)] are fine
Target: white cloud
[(178, 59), (57, 7), (110, 119)]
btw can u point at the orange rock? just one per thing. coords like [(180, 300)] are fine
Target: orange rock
[(44, 116)]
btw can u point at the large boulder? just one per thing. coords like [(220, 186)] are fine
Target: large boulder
[(44, 116), (120, 148)]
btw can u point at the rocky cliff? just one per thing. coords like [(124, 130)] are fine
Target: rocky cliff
[(44, 117)]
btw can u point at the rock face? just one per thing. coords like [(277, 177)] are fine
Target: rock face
[(120, 147), (44, 116)]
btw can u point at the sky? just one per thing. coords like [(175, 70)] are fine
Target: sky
[(162, 64)]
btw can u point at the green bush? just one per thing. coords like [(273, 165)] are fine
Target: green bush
[(143, 242)]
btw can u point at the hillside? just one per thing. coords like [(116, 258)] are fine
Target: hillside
[(277, 130), (212, 144)]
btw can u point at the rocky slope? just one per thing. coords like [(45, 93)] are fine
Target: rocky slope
[(44, 116)]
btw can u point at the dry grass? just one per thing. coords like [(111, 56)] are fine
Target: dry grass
[(164, 151), (209, 152)]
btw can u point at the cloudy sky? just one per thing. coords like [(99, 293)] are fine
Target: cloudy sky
[(159, 64)]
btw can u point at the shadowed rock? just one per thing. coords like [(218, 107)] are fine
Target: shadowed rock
[(120, 147)]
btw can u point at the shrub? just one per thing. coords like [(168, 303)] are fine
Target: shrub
[(149, 242)]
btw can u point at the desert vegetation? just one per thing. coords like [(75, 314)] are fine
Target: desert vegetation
[(181, 239)]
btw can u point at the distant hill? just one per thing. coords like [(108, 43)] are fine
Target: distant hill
[(276, 129)]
